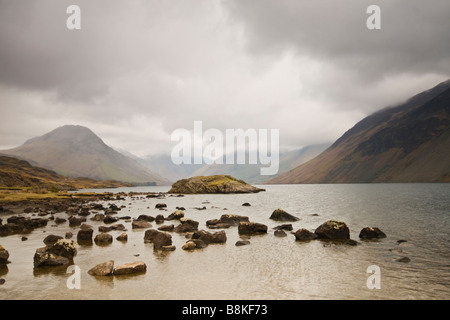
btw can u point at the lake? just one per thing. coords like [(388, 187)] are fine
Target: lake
[(269, 267)]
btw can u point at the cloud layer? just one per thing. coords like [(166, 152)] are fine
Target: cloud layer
[(137, 70)]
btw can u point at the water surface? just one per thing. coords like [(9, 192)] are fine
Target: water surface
[(270, 267)]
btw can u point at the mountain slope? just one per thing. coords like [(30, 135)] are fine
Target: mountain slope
[(76, 151), (406, 143), (20, 173)]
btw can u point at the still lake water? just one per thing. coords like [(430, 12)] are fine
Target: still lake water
[(270, 267)]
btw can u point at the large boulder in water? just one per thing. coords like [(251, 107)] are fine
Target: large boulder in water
[(158, 238), (58, 254), (251, 228), (281, 215), (371, 233), (212, 184), (333, 230)]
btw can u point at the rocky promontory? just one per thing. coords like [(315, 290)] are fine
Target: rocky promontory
[(212, 184)]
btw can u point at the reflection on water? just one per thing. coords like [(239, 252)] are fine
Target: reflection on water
[(270, 267)]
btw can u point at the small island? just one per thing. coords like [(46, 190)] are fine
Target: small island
[(221, 184)]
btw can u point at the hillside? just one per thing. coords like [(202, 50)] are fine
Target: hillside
[(406, 143), (15, 173), (75, 151)]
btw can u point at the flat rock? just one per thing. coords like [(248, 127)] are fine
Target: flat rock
[(168, 228), (287, 227), (140, 224), (242, 243), (130, 268)]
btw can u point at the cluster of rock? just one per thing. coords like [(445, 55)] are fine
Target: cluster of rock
[(338, 231), (59, 253), (201, 239), (21, 225)]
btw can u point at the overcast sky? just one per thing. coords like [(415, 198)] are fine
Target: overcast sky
[(137, 70)]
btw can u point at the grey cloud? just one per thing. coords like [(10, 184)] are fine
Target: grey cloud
[(139, 69), (414, 35)]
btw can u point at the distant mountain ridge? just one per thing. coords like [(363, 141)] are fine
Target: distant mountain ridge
[(76, 151), (406, 143), (251, 173)]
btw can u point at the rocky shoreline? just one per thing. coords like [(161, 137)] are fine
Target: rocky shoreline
[(25, 216)]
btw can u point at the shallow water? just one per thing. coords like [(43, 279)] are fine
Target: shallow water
[(270, 267)]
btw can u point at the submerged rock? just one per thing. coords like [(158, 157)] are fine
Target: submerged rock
[(403, 259), (281, 215), (333, 230), (280, 233), (212, 184), (287, 227), (242, 243)]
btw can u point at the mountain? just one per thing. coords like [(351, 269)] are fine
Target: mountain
[(16, 173), (75, 151), (406, 143), (251, 172)]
